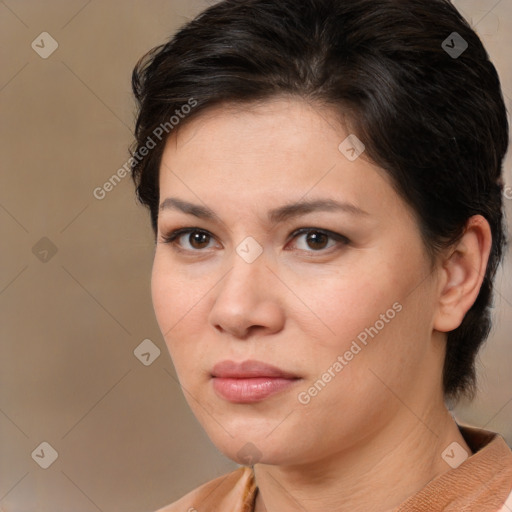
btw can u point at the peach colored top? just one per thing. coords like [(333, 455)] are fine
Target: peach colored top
[(482, 483)]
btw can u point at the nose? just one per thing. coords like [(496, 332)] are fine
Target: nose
[(248, 300)]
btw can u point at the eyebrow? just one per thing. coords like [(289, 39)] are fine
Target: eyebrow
[(276, 215)]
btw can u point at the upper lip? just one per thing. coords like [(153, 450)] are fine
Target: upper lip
[(249, 369)]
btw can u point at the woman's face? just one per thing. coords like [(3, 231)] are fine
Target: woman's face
[(344, 309)]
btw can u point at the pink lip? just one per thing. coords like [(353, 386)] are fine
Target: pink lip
[(249, 369), (249, 381)]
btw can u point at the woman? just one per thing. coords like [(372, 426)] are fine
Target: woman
[(324, 184)]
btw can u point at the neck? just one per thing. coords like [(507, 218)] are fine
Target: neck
[(376, 475)]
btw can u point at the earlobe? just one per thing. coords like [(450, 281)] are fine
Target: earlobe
[(462, 274)]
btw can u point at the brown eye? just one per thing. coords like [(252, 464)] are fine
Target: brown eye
[(317, 240), (198, 239), (189, 239)]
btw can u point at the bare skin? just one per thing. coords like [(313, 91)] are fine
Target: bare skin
[(374, 434)]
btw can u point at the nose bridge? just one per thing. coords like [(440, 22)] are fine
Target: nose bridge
[(244, 297), (248, 264)]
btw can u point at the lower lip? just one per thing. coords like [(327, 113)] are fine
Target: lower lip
[(245, 391)]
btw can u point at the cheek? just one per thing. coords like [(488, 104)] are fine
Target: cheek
[(371, 313), (173, 300), (342, 304), (165, 294)]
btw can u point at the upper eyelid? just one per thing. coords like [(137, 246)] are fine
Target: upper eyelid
[(305, 229)]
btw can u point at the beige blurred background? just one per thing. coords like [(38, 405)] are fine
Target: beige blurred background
[(75, 270)]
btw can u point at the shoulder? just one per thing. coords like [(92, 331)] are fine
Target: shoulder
[(481, 481), (227, 492)]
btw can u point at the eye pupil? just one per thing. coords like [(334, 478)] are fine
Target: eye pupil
[(197, 239), (319, 240)]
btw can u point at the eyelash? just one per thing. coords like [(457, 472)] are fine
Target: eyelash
[(173, 235)]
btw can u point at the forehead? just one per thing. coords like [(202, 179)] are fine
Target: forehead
[(272, 152)]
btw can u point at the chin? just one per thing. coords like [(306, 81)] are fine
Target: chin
[(248, 453), (246, 445)]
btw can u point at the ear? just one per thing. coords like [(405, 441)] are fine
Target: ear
[(462, 274)]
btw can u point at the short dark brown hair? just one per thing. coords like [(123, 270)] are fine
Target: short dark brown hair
[(435, 121)]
